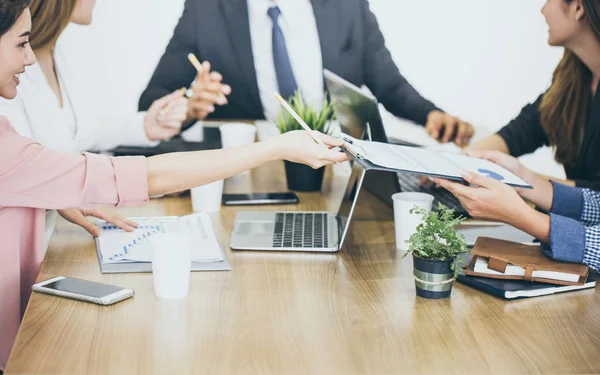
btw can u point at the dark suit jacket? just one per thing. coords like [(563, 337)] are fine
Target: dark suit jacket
[(352, 46)]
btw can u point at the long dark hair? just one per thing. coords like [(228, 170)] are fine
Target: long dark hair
[(564, 108), (10, 11)]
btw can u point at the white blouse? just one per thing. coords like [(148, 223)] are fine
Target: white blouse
[(36, 113)]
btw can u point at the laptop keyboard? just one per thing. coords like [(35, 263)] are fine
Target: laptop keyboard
[(301, 230), (410, 183)]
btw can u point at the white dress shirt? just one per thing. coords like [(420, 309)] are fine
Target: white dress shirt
[(299, 27), (36, 113)]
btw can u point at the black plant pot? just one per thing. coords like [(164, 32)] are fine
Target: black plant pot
[(301, 177), (433, 278)]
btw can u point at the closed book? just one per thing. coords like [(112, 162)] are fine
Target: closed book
[(500, 259), (516, 289)]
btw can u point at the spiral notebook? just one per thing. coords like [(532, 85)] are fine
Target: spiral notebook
[(120, 251)]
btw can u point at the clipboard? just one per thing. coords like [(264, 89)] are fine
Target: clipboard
[(141, 267), (419, 161)]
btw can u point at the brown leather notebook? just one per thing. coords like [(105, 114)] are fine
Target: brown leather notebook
[(501, 259)]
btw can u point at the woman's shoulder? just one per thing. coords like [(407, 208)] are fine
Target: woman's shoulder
[(6, 127)]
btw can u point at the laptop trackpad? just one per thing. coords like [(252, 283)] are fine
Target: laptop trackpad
[(254, 229)]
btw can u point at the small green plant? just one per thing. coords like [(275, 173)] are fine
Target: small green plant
[(436, 238), (318, 121)]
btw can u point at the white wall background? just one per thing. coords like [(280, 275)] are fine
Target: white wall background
[(481, 60)]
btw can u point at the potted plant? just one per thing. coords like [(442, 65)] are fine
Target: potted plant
[(301, 177), (436, 247)]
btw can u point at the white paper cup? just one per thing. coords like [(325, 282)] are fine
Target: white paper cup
[(171, 264), (207, 198), (195, 133), (237, 134), (406, 223)]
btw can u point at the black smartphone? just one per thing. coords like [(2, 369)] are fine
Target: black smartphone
[(259, 198)]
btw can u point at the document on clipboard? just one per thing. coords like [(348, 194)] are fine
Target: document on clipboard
[(397, 158)]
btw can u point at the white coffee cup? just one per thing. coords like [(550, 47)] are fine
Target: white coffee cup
[(195, 133), (171, 264), (237, 134), (207, 198), (406, 223)]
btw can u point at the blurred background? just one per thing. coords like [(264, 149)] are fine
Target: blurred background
[(482, 60)]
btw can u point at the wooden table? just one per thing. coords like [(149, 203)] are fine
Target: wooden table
[(354, 312)]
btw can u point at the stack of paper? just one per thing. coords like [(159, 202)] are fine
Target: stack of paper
[(119, 246)]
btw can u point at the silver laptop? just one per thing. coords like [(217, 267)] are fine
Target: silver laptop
[(298, 231)]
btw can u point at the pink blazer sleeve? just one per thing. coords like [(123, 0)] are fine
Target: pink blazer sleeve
[(33, 176)]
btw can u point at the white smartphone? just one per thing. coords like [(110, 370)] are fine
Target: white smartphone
[(83, 290)]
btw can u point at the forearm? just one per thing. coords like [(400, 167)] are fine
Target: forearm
[(542, 193), (383, 78), (533, 222), (173, 70), (180, 171), (491, 143)]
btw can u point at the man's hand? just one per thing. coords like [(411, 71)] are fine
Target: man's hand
[(208, 92), (78, 217), (446, 128)]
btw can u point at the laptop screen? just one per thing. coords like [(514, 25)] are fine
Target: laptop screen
[(354, 110), (349, 200)]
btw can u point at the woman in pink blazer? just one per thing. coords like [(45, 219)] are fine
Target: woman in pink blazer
[(33, 179)]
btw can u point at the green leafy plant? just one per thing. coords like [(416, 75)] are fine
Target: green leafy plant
[(318, 121), (436, 238)]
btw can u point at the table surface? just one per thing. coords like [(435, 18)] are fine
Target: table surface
[(353, 312)]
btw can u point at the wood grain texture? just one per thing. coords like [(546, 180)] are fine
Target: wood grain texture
[(354, 312)]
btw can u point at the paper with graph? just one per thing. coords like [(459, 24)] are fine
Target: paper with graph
[(426, 162), (118, 246)]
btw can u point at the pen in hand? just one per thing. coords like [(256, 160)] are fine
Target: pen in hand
[(194, 60), (204, 73), (303, 124), (170, 105)]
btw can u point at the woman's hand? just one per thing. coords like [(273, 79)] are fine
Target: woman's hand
[(542, 193), (299, 147), (504, 160), (492, 200), (496, 201), (165, 116), (78, 217)]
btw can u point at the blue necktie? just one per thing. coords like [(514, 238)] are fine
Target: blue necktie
[(281, 60)]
